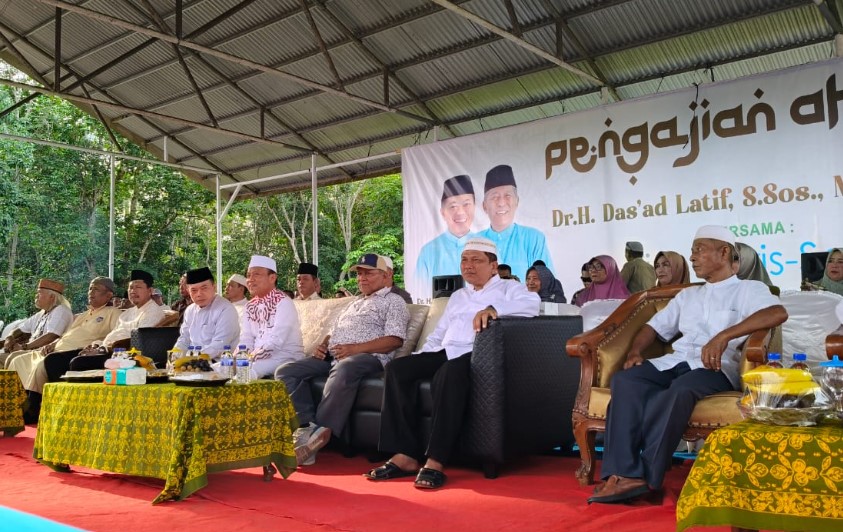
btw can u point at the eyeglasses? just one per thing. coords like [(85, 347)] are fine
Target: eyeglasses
[(585, 279), (596, 267)]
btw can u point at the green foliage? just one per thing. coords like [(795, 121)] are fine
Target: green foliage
[(54, 215)]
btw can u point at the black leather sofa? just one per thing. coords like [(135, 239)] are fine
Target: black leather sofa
[(523, 390)]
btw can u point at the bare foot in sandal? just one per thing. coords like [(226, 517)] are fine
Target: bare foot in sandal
[(398, 466), (431, 476)]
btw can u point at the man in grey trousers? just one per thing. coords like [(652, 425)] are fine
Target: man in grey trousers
[(362, 341)]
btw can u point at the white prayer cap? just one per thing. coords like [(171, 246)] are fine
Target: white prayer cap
[(239, 279), (263, 262), (716, 232), (388, 262), (481, 244)]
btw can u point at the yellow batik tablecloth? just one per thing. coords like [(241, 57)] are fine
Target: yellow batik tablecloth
[(175, 433), (12, 399), (759, 476)]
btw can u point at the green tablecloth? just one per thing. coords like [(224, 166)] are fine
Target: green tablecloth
[(12, 399), (175, 433), (759, 476)]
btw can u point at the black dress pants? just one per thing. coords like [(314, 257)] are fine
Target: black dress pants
[(648, 414), (58, 362), (401, 413)]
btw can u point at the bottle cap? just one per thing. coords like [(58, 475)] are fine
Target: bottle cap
[(802, 357), (774, 356), (226, 347), (242, 346), (835, 362)]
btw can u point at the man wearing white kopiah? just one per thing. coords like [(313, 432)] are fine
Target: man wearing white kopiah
[(235, 292), (270, 325), (210, 321), (652, 400), (446, 358)]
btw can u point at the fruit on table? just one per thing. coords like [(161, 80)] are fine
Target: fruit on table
[(200, 363)]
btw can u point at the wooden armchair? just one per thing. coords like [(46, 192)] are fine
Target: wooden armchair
[(603, 351), (834, 344)]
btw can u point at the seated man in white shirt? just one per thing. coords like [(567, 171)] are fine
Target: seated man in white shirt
[(446, 358), (48, 324), (270, 325), (652, 400), (209, 321), (144, 313), (235, 292)]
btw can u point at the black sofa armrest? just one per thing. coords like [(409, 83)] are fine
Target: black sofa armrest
[(523, 387), (154, 342)]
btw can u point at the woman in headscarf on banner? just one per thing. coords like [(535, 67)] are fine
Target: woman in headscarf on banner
[(548, 287), (671, 268), (606, 281)]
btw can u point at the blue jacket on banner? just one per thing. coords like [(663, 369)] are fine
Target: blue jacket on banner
[(441, 256), (519, 246)]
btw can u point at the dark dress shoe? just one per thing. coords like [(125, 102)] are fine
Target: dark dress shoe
[(619, 489)]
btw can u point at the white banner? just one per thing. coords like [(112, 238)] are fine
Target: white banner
[(762, 156)]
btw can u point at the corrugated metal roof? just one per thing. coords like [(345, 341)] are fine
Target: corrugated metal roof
[(443, 69)]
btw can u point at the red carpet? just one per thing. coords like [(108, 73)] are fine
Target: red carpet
[(539, 494)]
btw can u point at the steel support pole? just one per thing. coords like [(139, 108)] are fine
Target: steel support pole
[(218, 218), (111, 219), (315, 200)]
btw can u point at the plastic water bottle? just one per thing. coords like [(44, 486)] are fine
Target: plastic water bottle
[(774, 360), (191, 351), (800, 361), (227, 363), (244, 369), (198, 351)]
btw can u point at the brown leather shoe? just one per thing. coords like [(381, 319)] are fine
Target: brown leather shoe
[(620, 489)]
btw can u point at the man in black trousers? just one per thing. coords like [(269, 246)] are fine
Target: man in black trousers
[(446, 358)]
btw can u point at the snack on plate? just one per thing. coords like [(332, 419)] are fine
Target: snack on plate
[(781, 396)]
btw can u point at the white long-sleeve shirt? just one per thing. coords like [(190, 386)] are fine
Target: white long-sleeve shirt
[(134, 318), (213, 326), (271, 323), (700, 313), (455, 331)]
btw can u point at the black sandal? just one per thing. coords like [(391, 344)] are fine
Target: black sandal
[(430, 479), (388, 471)]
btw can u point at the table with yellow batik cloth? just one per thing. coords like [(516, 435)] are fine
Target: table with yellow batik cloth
[(175, 433), (757, 476), (12, 399)]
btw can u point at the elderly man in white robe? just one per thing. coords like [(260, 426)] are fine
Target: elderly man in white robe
[(45, 326), (269, 329), (210, 321)]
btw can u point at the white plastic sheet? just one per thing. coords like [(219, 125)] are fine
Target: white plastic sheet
[(811, 317)]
